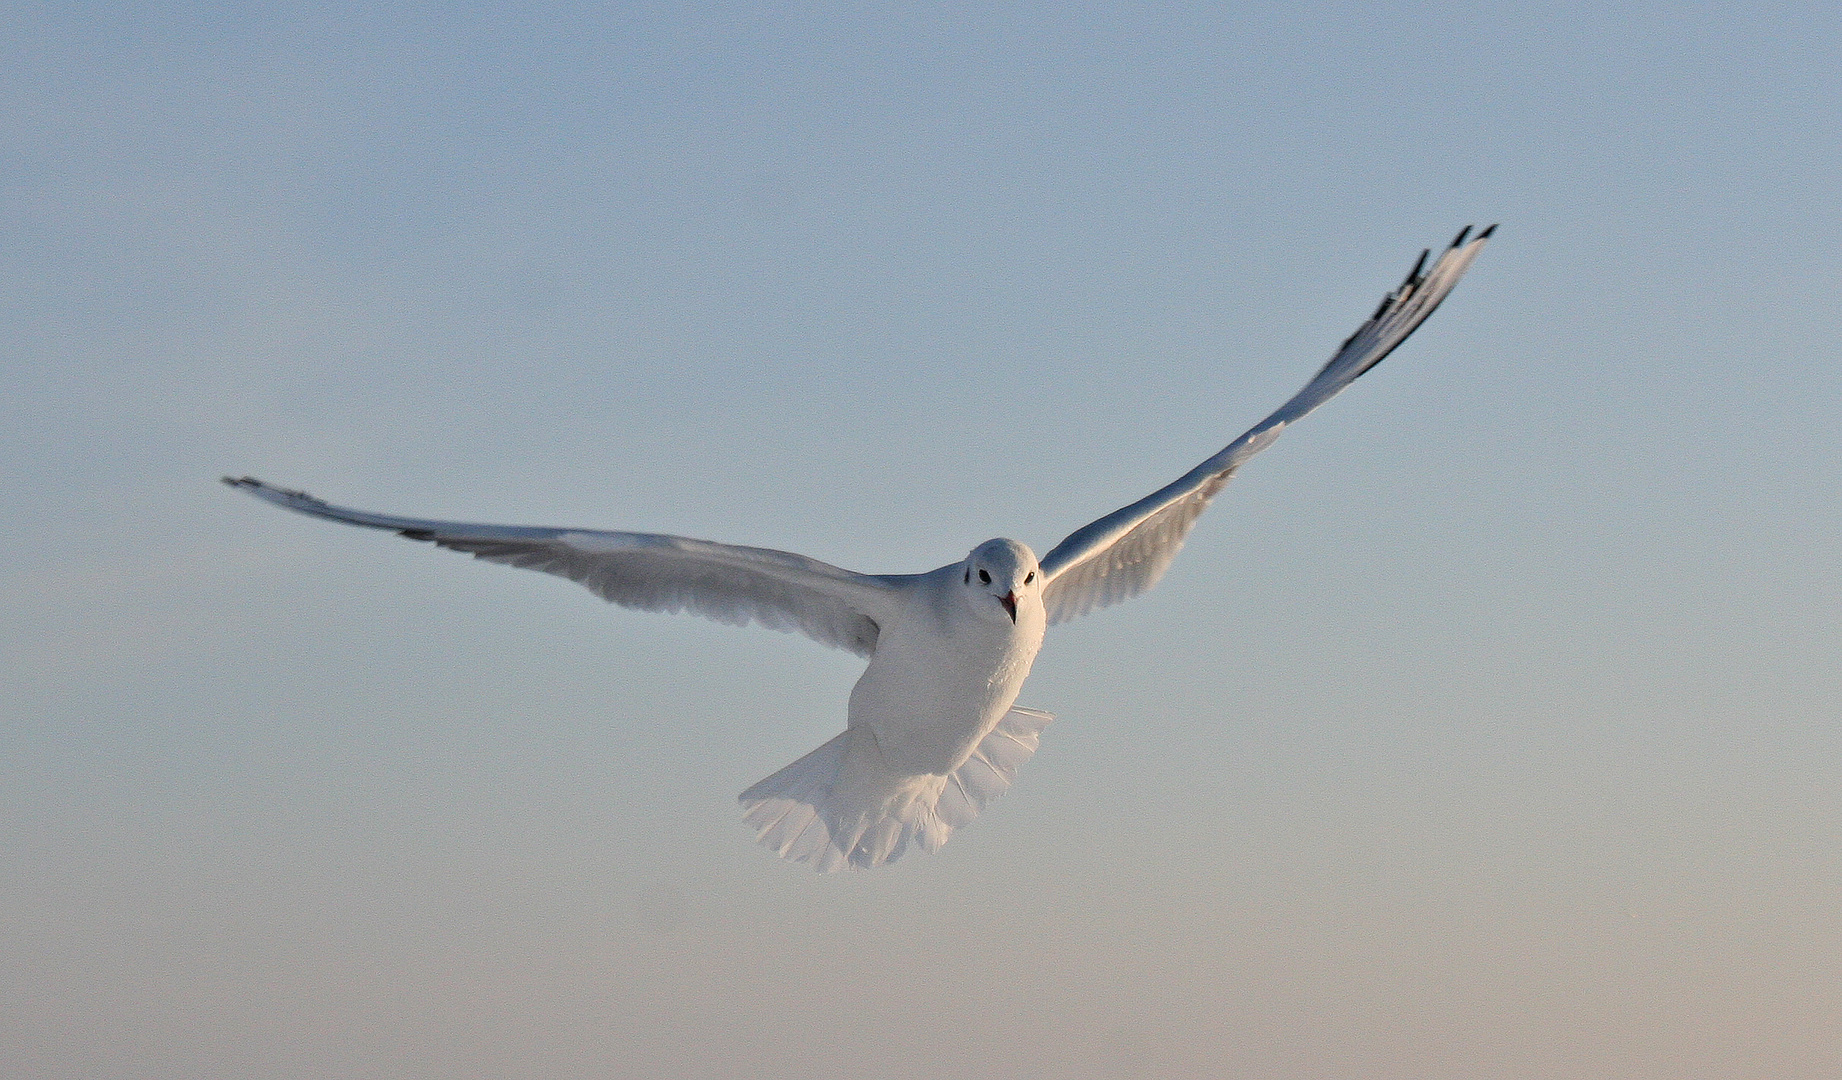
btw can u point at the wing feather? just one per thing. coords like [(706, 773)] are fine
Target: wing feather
[(1125, 553), (652, 572)]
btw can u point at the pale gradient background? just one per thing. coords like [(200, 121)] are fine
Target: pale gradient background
[(1486, 728)]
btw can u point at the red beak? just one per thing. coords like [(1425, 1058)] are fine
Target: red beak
[(1010, 604)]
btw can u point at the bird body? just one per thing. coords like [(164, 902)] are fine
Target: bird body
[(933, 730), (950, 665), (945, 674)]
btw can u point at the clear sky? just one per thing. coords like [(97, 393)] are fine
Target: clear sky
[(1487, 727)]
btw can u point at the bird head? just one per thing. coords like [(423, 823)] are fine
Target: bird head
[(1000, 575)]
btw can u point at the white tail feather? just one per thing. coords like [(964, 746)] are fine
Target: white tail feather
[(841, 806)]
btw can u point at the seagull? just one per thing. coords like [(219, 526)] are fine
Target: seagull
[(933, 731)]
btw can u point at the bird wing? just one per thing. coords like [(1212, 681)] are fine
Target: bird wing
[(1126, 552), (651, 572)]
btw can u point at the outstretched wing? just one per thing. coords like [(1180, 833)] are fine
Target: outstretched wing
[(650, 572), (1126, 552)]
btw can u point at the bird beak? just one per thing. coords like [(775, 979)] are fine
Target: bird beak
[(1010, 604)]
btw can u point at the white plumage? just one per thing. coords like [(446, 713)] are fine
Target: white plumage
[(933, 730)]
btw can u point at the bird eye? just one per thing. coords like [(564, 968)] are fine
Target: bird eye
[(984, 577), (1029, 577)]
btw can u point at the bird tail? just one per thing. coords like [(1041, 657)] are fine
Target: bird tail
[(841, 805)]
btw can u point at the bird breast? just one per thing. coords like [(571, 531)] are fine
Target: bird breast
[(940, 680)]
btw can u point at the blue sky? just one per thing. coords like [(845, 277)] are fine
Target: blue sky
[(1485, 726)]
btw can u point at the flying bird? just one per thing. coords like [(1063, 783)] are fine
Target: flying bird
[(933, 730)]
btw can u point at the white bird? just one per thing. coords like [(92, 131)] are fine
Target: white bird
[(933, 730)]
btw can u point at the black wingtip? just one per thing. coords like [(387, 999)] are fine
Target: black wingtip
[(253, 485), (1460, 238), (1414, 274), (1485, 235)]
